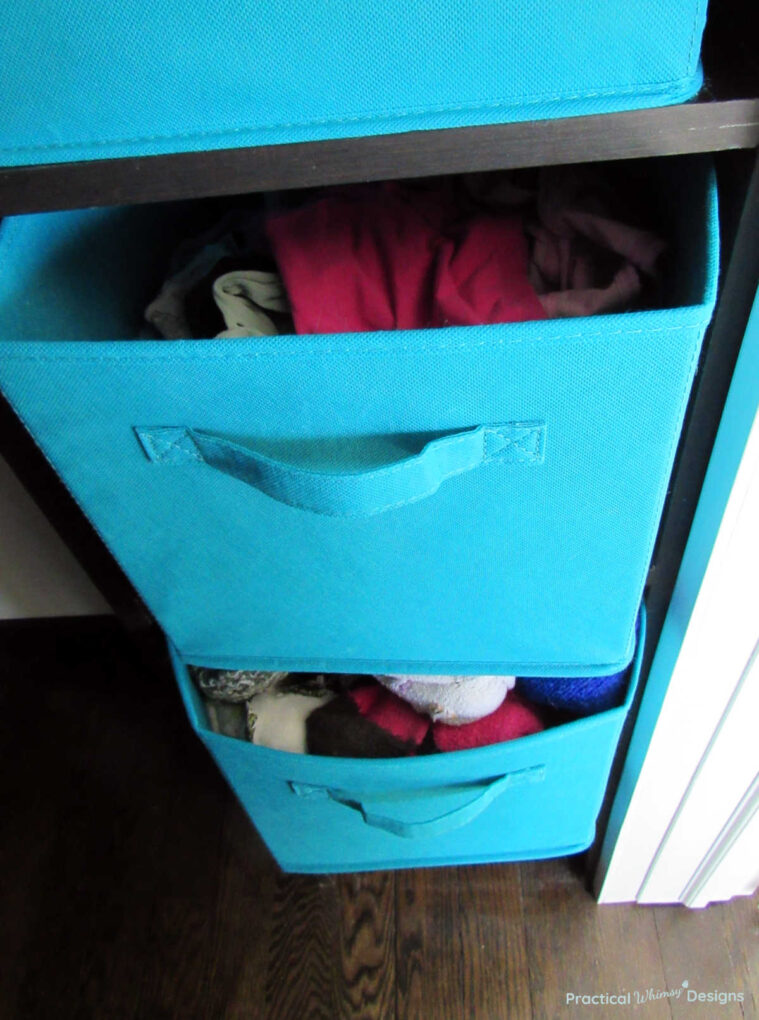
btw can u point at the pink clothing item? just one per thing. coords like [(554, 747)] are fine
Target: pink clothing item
[(580, 301), (390, 713), (483, 278), (394, 257), (513, 719), (585, 260)]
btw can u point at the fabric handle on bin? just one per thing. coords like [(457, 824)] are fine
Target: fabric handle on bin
[(432, 826), (357, 493)]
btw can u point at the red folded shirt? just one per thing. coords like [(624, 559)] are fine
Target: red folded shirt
[(513, 719), (393, 257)]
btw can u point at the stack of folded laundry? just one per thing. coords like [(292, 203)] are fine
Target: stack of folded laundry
[(389, 716), (468, 250)]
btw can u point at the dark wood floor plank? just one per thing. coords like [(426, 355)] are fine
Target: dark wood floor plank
[(303, 950), (241, 936), (367, 946), (82, 768), (461, 946), (110, 763), (740, 920), (576, 947), (28, 819), (212, 883), (331, 951), (696, 947)]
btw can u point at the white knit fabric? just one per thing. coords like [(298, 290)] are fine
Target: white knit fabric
[(455, 700)]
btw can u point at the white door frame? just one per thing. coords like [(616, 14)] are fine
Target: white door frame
[(684, 826)]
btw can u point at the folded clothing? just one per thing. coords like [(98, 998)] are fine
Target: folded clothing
[(585, 259), (279, 721), (514, 718), (579, 695), (233, 684), (339, 730), (247, 300), (238, 235), (390, 713), (453, 251), (352, 715), (455, 700), (395, 256), (464, 251), (268, 708), (511, 719)]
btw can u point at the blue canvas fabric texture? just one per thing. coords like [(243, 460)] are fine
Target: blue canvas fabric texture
[(527, 566), (351, 493), (94, 81)]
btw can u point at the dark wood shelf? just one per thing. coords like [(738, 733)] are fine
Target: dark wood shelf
[(724, 116), (700, 126)]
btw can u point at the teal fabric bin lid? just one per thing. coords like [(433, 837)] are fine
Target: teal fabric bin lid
[(85, 80)]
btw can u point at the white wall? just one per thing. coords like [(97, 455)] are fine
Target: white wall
[(38, 575)]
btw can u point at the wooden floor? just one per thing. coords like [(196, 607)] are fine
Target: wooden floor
[(134, 887)]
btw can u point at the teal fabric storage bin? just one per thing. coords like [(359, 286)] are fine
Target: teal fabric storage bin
[(535, 797), (462, 500), (90, 81)]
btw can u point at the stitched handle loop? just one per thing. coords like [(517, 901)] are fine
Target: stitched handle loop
[(437, 826), (349, 494)]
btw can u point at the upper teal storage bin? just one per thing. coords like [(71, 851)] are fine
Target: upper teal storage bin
[(477, 499), (86, 80)]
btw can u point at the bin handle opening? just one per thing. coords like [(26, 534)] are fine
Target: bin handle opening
[(349, 494), (437, 826)]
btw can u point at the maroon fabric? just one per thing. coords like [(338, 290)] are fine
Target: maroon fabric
[(394, 257), (586, 257), (390, 713), (513, 719)]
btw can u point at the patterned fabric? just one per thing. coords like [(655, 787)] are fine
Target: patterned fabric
[(233, 684)]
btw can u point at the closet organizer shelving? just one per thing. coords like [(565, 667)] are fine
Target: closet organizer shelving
[(723, 120)]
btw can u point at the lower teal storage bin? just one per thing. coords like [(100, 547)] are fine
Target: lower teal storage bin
[(538, 796)]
